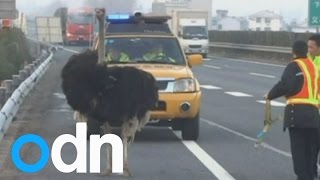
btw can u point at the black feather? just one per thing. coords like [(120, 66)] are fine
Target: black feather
[(113, 94)]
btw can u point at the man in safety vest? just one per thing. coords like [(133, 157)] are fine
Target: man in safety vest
[(299, 84), (157, 54), (314, 48), (314, 55), (116, 56)]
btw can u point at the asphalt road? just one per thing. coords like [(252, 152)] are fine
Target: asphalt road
[(231, 117)]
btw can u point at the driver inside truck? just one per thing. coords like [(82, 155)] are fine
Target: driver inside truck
[(157, 53), (115, 54)]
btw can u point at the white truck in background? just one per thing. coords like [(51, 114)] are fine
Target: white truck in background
[(191, 26)]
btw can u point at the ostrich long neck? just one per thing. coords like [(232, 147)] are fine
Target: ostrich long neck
[(101, 38)]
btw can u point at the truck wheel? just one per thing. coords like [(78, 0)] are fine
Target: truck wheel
[(190, 128), (205, 55)]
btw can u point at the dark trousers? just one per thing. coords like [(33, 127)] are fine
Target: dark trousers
[(304, 149)]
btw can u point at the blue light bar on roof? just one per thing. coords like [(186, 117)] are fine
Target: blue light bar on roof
[(115, 17)]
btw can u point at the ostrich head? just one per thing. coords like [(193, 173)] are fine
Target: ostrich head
[(100, 12)]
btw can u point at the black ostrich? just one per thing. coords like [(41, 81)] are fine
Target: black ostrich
[(113, 96)]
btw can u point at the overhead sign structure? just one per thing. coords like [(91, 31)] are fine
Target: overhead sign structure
[(8, 9), (314, 13), (49, 29)]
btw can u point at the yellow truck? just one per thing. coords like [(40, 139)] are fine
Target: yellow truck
[(146, 42)]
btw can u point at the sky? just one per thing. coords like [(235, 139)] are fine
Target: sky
[(42, 7), (46, 7), (289, 9)]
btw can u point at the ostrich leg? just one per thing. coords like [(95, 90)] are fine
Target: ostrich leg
[(107, 130), (129, 129)]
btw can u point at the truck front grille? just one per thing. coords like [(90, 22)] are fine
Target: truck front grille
[(195, 46), (81, 31)]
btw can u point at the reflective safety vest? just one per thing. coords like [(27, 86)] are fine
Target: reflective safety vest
[(154, 56), (309, 91), (123, 58), (316, 61)]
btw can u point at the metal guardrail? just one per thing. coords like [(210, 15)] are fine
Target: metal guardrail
[(276, 49), (12, 105)]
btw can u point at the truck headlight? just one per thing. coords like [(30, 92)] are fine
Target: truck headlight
[(69, 35), (184, 85)]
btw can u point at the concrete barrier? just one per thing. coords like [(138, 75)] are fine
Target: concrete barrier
[(251, 52), (11, 98), (266, 46)]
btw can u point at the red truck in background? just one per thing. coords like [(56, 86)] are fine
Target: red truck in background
[(77, 24), (6, 23)]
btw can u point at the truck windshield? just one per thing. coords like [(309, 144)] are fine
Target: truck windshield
[(144, 50), (190, 32), (81, 19)]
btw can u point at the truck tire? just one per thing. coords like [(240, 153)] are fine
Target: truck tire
[(205, 55), (190, 128)]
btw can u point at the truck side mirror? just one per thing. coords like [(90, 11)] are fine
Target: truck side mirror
[(195, 59)]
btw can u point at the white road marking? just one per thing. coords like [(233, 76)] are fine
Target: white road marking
[(61, 110), (210, 87), (59, 95), (213, 166), (238, 94), (262, 75), (213, 67), (70, 50), (207, 59), (250, 62), (273, 103), (265, 145)]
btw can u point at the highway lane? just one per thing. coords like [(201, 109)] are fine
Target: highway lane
[(156, 154), (238, 118), (231, 118), (236, 75), (234, 107), (227, 134)]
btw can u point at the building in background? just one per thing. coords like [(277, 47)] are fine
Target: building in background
[(223, 22), (301, 27), (266, 21)]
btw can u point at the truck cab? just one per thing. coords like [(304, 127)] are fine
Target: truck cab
[(78, 24), (193, 35), (191, 27)]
